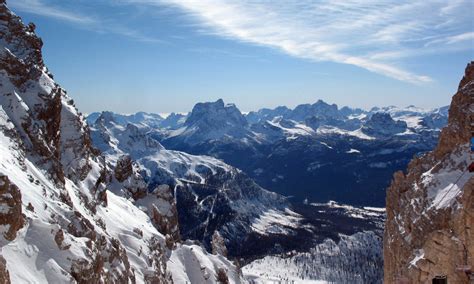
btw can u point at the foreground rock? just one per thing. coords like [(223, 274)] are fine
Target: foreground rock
[(430, 209)]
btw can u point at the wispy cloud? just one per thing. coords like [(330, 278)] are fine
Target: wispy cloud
[(376, 35), (39, 8), (46, 9), (449, 40), (371, 34)]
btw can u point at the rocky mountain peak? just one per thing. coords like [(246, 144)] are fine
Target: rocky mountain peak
[(461, 115), (319, 109), (20, 39), (382, 124), (430, 208), (106, 117), (267, 114), (468, 75), (216, 114), (173, 121), (47, 121)]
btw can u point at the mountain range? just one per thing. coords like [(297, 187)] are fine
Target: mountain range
[(314, 151), (219, 196), (106, 202)]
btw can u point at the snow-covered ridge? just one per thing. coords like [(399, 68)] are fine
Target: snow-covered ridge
[(65, 216), (219, 120), (356, 212), (204, 185)]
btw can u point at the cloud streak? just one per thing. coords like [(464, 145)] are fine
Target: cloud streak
[(374, 35)]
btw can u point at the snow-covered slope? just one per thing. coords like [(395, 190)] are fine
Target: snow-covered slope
[(64, 216), (210, 194), (348, 256)]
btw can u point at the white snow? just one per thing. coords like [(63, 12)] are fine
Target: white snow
[(447, 183), (191, 264), (355, 212), (276, 222), (325, 144), (352, 151), (419, 254), (334, 130), (293, 132)]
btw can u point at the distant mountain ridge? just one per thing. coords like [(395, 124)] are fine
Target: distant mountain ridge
[(143, 119), (321, 142), (320, 110)]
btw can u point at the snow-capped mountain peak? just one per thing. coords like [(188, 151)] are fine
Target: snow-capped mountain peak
[(382, 124), (216, 115)]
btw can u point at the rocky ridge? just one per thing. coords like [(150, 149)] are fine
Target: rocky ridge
[(430, 208), (65, 214)]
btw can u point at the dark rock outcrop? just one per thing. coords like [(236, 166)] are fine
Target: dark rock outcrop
[(382, 124), (123, 168), (10, 202)]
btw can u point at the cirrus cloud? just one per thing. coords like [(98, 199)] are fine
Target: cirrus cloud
[(374, 35)]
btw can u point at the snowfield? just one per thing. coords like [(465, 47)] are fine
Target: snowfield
[(354, 259), (446, 184), (276, 222)]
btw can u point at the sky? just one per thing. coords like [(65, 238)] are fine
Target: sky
[(164, 56)]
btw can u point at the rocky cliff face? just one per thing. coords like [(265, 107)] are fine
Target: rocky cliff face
[(319, 109), (430, 209), (211, 120)]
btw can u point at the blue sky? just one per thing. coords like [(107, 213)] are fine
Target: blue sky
[(166, 55)]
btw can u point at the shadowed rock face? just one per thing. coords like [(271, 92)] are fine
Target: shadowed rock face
[(318, 109), (165, 217), (430, 209), (382, 124), (11, 214), (123, 169), (216, 114)]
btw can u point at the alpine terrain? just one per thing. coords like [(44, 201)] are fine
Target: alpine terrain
[(107, 203), (428, 232), (217, 195), (316, 151), (66, 215)]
